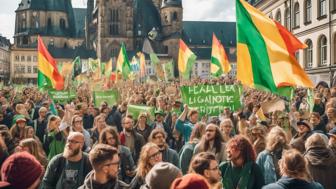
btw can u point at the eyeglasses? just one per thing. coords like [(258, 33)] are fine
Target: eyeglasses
[(209, 130), (155, 155), (73, 141), (78, 121)]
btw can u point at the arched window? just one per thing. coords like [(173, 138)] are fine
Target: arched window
[(62, 23), (297, 15), (323, 51), (287, 19), (308, 11), (322, 8), (278, 16), (175, 16), (309, 54), (114, 26)]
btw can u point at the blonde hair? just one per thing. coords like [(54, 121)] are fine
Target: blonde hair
[(35, 149), (51, 119), (277, 136), (143, 165)]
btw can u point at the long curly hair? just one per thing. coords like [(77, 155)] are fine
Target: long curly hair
[(241, 143), (143, 165)]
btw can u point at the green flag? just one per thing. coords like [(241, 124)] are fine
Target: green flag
[(123, 64), (111, 97), (168, 69), (310, 99), (157, 66), (135, 110), (77, 67)]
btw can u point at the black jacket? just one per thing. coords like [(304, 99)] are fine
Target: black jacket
[(291, 183), (89, 183)]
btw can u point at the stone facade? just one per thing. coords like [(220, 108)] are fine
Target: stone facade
[(60, 26), (130, 22), (314, 23), (4, 58)]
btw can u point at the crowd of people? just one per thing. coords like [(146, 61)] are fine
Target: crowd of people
[(88, 147)]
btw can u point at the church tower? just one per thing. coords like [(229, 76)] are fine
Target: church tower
[(171, 20), (114, 26), (171, 16)]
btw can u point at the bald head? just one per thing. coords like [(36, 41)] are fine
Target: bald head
[(76, 136)]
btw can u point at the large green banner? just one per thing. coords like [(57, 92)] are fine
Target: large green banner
[(62, 96), (111, 97), (135, 110), (212, 99)]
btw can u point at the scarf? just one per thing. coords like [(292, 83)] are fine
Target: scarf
[(243, 177)]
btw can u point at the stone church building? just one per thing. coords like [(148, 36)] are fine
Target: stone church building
[(98, 31)]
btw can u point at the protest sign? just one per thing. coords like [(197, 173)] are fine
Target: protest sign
[(273, 105), (62, 96), (111, 97), (135, 110), (212, 99)]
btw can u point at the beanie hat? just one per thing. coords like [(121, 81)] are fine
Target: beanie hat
[(21, 170), (305, 123), (162, 175), (191, 181)]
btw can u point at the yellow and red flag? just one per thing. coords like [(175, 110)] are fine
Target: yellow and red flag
[(48, 75)]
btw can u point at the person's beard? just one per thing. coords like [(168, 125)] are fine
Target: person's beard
[(129, 129), (70, 153)]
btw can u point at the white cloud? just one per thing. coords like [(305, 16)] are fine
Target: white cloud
[(209, 10)]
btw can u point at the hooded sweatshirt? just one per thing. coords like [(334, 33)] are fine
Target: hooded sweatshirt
[(89, 183), (292, 183), (322, 166)]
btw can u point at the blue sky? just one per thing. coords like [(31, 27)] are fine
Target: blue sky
[(200, 10)]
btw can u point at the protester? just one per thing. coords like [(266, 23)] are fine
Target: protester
[(276, 143), (205, 164), (105, 163), (158, 137), (303, 132), (68, 170), (54, 139), (241, 170), (161, 176), (332, 140), (321, 160), (98, 125), (77, 125), (190, 181), (142, 127), (150, 155), (127, 166), (130, 138), (187, 151), (186, 126), (32, 146), (18, 130), (295, 175), (21, 171), (226, 127), (40, 124), (213, 142)]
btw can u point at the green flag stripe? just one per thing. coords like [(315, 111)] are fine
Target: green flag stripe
[(248, 34), (43, 81), (216, 62)]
